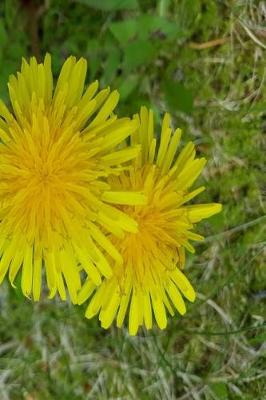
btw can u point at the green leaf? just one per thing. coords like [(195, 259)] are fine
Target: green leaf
[(111, 5), (178, 97), (3, 38), (138, 53), (94, 57), (128, 86), (219, 390), (17, 293), (124, 31), (111, 65), (258, 339), (143, 26), (148, 24), (3, 34), (94, 66)]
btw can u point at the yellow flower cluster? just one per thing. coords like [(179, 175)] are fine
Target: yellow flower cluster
[(85, 193)]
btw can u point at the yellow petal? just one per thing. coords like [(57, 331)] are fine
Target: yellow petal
[(126, 198), (183, 284), (198, 212)]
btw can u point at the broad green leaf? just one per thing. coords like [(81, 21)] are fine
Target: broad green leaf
[(111, 5), (111, 65), (178, 97), (148, 24), (128, 86), (125, 30), (94, 65), (143, 26), (3, 34), (93, 57), (219, 390), (138, 53)]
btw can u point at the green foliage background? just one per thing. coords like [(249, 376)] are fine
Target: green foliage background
[(203, 60)]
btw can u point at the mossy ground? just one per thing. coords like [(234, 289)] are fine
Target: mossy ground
[(203, 60)]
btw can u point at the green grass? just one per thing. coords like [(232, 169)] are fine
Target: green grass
[(216, 94)]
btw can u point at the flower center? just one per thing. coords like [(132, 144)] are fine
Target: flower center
[(44, 173)]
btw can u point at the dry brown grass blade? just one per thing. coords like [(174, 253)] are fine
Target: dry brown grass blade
[(209, 44)]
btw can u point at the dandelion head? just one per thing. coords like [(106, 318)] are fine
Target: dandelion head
[(150, 282), (57, 148)]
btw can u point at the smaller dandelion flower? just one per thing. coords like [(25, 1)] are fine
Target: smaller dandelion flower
[(58, 145), (150, 282)]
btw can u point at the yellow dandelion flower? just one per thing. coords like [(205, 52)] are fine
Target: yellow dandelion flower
[(150, 281), (57, 146)]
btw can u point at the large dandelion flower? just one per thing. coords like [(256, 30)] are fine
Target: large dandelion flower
[(150, 282), (57, 147)]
